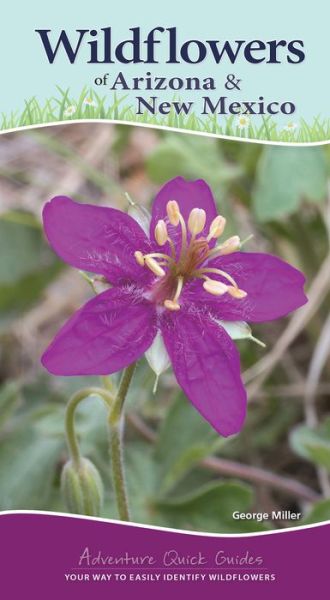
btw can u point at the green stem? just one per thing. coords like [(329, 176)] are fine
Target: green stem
[(115, 422), (71, 437)]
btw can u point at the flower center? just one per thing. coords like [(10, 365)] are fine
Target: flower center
[(173, 270)]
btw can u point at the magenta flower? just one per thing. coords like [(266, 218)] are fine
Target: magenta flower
[(175, 286)]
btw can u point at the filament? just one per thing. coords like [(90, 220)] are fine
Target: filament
[(216, 272)]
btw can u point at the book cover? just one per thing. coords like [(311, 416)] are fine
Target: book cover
[(164, 300)]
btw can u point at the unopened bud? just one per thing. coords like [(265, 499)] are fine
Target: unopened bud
[(82, 488), (196, 221), (161, 234), (217, 227), (231, 245), (235, 292), (217, 288), (173, 212)]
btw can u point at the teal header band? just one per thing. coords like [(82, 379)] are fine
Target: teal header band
[(229, 69)]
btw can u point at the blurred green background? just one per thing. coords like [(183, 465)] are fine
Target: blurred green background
[(180, 472)]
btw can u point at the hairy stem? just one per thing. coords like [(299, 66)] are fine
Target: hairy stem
[(115, 422), (74, 401)]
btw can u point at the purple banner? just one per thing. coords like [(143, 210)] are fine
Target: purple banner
[(55, 556)]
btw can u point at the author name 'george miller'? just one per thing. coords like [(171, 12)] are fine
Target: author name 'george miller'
[(275, 515)]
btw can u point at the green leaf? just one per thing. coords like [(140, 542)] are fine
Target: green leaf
[(183, 441), (20, 249), (313, 444), (141, 473), (207, 507), (27, 264), (9, 399), (192, 157), (211, 508), (27, 469), (320, 512), (286, 176)]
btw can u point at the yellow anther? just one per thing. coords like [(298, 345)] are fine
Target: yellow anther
[(236, 292), (173, 212), (161, 234), (215, 287), (231, 245), (139, 258), (172, 305), (196, 221), (217, 227), (154, 266)]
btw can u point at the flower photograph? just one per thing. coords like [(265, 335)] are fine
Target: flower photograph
[(164, 328)]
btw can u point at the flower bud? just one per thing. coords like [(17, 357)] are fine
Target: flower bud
[(173, 212), (82, 488), (161, 234), (196, 221), (231, 245)]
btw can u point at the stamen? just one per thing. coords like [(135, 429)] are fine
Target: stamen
[(172, 247), (173, 212), (236, 292), (161, 234), (158, 255), (154, 266), (183, 237), (217, 272), (173, 303), (231, 245), (196, 221), (139, 258), (178, 288), (175, 217), (215, 287), (217, 227)]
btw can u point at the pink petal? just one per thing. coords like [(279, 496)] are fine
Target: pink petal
[(189, 195), (108, 333), (274, 288), (206, 365), (96, 239)]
